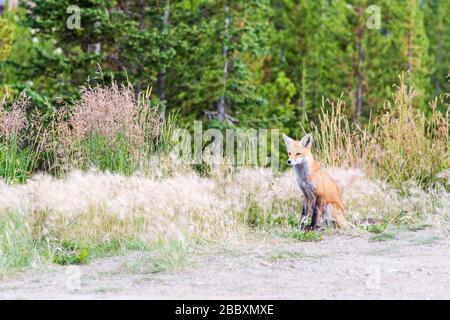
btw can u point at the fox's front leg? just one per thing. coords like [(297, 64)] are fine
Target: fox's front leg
[(305, 212), (315, 214)]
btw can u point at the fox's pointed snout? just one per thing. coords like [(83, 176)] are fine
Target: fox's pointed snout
[(289, 162)]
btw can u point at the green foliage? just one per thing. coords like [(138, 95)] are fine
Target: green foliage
[(70, 253), (413, 46), (7, 31), (437, 26), (64, 56), (311, 48), (6, 39), (278, 110), (270, 62), (16, 72)]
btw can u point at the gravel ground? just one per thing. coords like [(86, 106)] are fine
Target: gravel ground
[(414, 265)]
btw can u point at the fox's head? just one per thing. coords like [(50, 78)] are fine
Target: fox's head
[(298, 151)]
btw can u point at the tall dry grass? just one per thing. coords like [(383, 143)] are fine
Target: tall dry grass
[(400, 144)]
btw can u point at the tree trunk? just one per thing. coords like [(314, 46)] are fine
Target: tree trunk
[(437, 85), (439, 34), (221, 106), (137, 64), (304, 103), (161, 78), (359, 77), (410, 55)]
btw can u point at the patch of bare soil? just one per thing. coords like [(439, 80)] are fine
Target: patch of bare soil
[(414, 265)]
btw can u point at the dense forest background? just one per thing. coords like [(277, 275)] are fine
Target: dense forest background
[(255, 63)]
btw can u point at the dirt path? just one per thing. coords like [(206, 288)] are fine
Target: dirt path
[(414, 265)]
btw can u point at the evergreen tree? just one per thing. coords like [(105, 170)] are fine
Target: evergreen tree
[(68, 53), (437, 26), (313, 39), (370, 50), (410, 47), (256, 63), (226, 41)]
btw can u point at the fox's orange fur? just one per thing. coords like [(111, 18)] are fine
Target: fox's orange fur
[(321, 192)]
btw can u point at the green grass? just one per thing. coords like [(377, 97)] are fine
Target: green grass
[(307, 236), (377, 228), (380, 231), (104, 155), (383, 236), (16, 164), (78, 252), (70, 254), (21, 248)]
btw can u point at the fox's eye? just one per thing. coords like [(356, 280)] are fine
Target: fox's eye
[(289, 153), (298, 154)]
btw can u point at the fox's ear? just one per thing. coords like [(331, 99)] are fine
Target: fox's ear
[(287, 140), (306, 141)]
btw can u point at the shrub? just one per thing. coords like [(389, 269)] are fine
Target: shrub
[(109, 129)]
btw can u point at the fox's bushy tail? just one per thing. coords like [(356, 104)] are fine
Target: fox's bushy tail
[(337, 214)]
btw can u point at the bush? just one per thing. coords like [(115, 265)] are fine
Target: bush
[(108, 129)]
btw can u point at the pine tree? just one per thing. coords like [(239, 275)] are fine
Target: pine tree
[(370, 42), (398, 42), (225, 40), (410, 48), (68, 54), (437, 26), (204, 49), (312, 50)]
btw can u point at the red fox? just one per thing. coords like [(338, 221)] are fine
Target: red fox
[(321, 192)]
